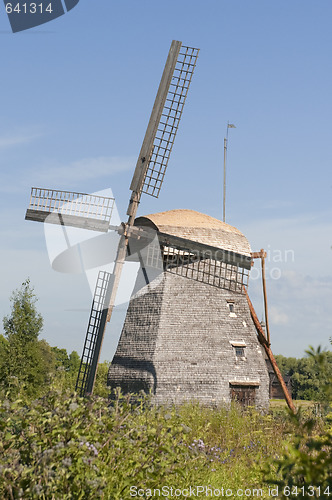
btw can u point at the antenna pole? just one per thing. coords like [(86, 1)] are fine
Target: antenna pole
[(224, 197), (229, 125)]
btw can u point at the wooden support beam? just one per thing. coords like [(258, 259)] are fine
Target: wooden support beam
[(206, 251), (264, 342), (259, 255), (265, 298), (67, 220)]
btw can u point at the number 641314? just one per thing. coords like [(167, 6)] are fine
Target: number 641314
[(28, 8)]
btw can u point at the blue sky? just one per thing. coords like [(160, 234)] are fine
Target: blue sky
[(76, 97)]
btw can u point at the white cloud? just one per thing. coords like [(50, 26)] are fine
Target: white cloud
[(299, 311), (301, 244), (69, 175), (83, 169), (277, 316), (14, 139)]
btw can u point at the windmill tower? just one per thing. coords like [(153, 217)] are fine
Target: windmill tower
[(191, 288), (188, 334)]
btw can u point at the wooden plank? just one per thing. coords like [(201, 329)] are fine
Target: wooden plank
[(249, 383), (144, 236), (214, 253), (264, 342), (258, 255), (67, 220)]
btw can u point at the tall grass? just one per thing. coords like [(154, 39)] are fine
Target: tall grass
[(64, 447)]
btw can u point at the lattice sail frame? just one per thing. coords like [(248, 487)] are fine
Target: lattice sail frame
[(205, 270), (97, 321), (70, 208), (170, 118), (219, 268)]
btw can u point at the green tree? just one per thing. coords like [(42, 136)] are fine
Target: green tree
[(306, 464), (27, 361), (308, 379), (66, 367), (101, 388)]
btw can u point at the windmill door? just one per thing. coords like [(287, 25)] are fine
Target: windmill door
[(243, 394)]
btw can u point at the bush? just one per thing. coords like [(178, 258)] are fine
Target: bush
[(61, 446), (305, 466)]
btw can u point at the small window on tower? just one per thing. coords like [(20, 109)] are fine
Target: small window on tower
[(239, 352), (231, 307)]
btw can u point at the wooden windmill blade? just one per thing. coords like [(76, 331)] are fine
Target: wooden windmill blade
[(164, 121), (69, 208), (148, 178)]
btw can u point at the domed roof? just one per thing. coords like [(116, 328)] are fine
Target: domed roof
[(198, 227)]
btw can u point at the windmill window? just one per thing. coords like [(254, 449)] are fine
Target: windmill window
[(239, 348), (239, 352), (231, 307)]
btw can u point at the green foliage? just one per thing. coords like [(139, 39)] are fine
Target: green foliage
[(25, 323), (64, 447), (66, 368), (101, 388), (26, 362), (308, 380), (307, 460)]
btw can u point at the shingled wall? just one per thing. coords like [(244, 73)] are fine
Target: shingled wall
[(177, 343)]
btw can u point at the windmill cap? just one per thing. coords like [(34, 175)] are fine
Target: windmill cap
[(198, 227)]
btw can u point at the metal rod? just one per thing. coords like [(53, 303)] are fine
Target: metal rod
[(229, 125), (224, 196)]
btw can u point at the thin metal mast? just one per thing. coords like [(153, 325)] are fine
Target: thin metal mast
[(229, 125)]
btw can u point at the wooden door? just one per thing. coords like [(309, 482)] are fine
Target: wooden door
[(244, 394)]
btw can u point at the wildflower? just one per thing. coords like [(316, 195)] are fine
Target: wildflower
[(93, 482), (73, 406), (6, 404), (92, 448), (47, 453), (37, 489), (66, 462)]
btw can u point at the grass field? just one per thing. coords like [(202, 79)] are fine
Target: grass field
[(63, 447)]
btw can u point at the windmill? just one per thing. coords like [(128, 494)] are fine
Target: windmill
[(94, 212), (191, 332), (190, 329)]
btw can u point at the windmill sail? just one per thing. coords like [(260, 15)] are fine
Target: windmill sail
[(69, 208), (93, 339), (164, 121)]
